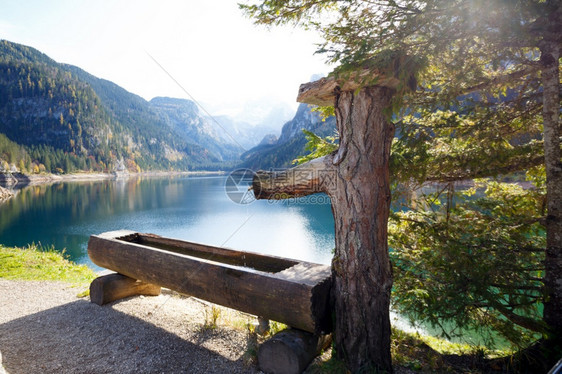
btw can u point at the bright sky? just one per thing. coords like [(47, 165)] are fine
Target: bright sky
[(208, 46)]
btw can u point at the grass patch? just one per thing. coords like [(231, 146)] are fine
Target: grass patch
[(250, 356), (41, 264), (420, 354), (413, 352), (211, 318)]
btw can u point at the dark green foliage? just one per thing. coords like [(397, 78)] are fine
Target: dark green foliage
[(10, 152), (473, 262), (317, 146)]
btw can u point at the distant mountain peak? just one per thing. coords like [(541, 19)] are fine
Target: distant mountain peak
[(269, 139), (291, 143), (165, 100)]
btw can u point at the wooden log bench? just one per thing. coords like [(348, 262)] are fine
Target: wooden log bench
[(293, 292)]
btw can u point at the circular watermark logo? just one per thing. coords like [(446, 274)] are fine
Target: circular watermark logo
[(238, 186)]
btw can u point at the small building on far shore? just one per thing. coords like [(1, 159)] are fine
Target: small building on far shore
[(120, 170), (5, 194)]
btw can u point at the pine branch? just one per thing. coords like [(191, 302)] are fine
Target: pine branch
[(526, 322), (485, 172), (501, 79)]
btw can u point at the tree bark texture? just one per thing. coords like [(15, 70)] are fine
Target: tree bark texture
[(361, 270), (553, 162), (356, 178)]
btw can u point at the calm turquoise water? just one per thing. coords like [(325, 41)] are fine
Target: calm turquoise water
[(191, 208)]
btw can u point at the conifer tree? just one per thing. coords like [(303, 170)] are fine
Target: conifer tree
[(487, 103)]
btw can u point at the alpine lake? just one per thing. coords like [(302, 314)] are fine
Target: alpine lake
[(214, 210)]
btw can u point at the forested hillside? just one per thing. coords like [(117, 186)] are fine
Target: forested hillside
[(291, 143), (183, 118), (58, 118)]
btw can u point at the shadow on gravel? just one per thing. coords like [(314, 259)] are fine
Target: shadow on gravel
[(81, 337)]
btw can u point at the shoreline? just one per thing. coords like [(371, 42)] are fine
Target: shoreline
[(9, 181)]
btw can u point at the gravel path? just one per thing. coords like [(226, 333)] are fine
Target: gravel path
[(46, 328)]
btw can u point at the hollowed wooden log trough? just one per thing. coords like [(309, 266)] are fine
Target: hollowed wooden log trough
[(293, 292)]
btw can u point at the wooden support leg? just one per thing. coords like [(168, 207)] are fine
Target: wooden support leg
[(263, 326), (290, 351), (108, 288)]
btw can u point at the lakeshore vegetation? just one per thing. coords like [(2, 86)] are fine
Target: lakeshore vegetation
[(41, 264)]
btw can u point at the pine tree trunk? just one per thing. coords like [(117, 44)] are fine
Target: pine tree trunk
[(553, 163), (361, 270), (356, 178)]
